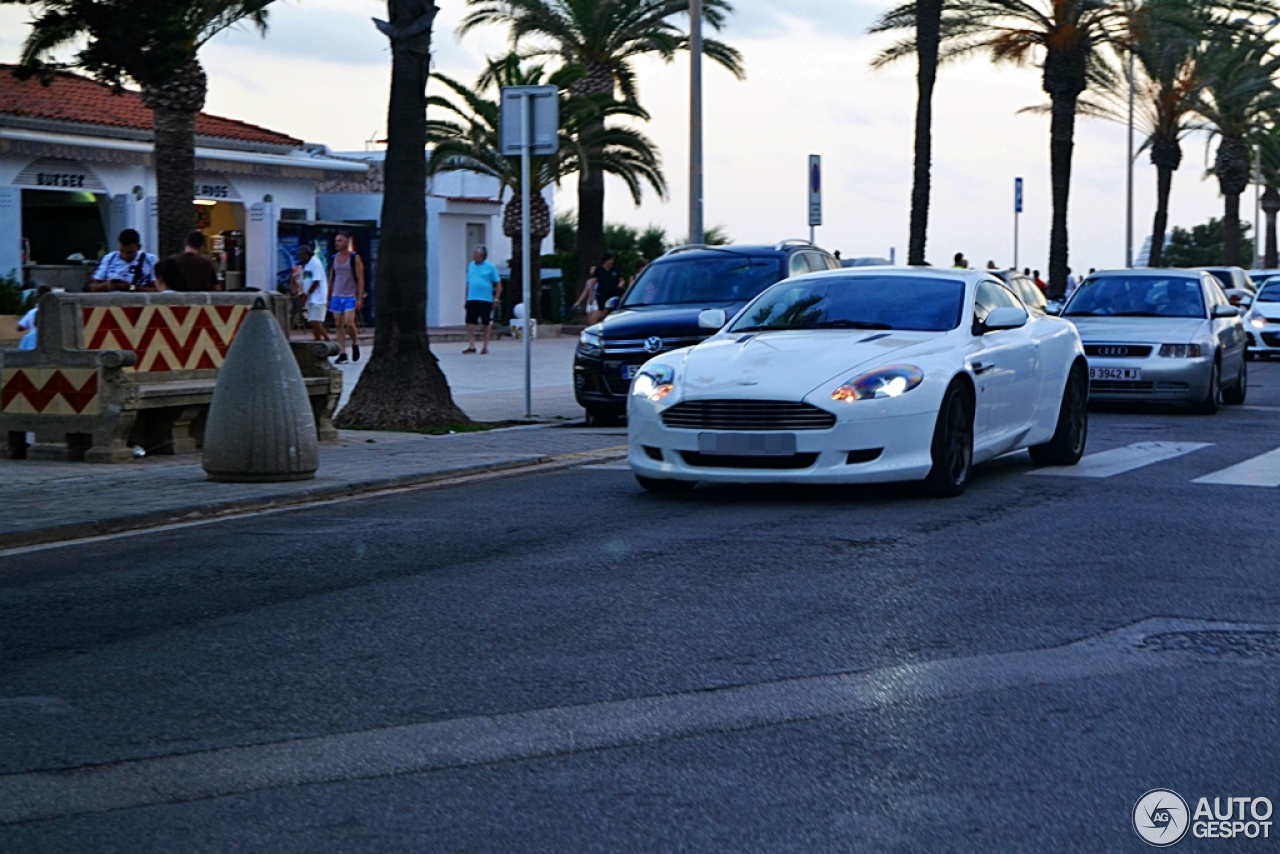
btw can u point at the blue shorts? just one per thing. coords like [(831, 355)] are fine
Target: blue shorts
[(340, 304)]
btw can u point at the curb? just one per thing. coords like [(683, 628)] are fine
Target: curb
[(323, 494)]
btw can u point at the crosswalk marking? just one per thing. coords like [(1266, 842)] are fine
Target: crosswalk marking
[(1262, 470), (1120, 460)]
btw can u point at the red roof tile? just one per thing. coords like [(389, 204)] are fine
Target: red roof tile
[(72, 98)]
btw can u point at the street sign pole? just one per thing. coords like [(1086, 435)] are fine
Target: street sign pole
[(815, 193), (1017, 214), (529, 124), (526, 269), (696, 230)]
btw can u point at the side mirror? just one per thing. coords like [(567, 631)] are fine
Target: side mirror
[(1220, 311), (712, 318), (611, 303), (1053, 307), (1245, 301), (1005, 317)]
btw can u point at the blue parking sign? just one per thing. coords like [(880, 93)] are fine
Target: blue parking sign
[(1017, 195)]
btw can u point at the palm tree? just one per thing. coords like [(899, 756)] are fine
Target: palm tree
[(603, 37), (1269, 149), (1240, 98), (154, 45), (467, 139), (927, 20), (1066, 35), (403, 388)]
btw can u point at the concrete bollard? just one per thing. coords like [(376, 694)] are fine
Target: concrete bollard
[(260, 427)]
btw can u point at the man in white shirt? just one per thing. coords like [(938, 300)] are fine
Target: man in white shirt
[(315, 285), (126, 269), (28, 322), (1072, 284)]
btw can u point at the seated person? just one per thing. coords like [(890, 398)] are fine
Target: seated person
[(169, 276), (126, 269), (28, 322)]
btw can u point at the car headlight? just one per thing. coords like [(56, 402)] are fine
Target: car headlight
[(654, 382), (1180, 351), (1257, 321), (591, 342), (882, 382)]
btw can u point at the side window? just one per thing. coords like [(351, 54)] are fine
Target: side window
[(819, 261), (799, 266), (991, 296), (1216, 296)]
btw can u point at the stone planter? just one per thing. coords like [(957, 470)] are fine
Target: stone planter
[(9, 334)]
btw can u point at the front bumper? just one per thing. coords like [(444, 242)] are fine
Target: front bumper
[(874, 449), (1163, 379), (1263, 341)]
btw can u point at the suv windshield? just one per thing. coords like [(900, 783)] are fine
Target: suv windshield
[(862, 302), (727, 277), (1137, 296)]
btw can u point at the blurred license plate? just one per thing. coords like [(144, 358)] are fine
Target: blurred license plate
[(747, 444), (1115, 373), (629, 371)]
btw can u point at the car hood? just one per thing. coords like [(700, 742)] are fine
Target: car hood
[(1138, 330), (1269, 310), (664, 321), (791, 365)]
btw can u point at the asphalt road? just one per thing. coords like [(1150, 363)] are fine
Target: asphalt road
[(561, 662)]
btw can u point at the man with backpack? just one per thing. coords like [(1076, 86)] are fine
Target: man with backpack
[(346, 294)]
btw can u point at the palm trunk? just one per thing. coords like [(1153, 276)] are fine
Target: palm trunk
[(1231, 229), (403, 387), (1061, 144), (598, 81), (175, 105), (1164, 184), (1270, 205), (928, 26)]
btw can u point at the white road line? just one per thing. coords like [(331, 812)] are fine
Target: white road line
[(608, 467), (1262, 470), (1120, 460)]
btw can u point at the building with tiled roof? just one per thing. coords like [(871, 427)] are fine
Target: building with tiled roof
[(76, 168)]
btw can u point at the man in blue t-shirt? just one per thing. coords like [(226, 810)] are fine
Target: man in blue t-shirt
[(484, 289)]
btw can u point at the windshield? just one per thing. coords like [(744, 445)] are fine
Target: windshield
[(861, 302), (726, 277), (1224, 277), (1137, 296), (1270, 293)]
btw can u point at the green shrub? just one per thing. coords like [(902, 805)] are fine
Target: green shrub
[(11, 301)]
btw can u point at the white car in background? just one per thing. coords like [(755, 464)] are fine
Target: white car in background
[(1262, 321), (862, 376)]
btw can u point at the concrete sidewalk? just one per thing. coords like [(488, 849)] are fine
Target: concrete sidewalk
[(46, 502)]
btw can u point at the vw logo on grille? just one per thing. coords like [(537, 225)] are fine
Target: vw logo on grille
[(652, 344), (1113, 351)]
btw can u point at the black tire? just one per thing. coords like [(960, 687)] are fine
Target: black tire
[(1235, 395), (1067, 445), (1249, 355), (1213, 399), (598, 416), (653, 484), (952, 445)]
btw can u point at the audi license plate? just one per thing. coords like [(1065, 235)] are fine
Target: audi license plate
[(747, 444), (1115, 373), (629, 371)]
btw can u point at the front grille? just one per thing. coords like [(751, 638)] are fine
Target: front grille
[(747, 415), (1120, 387), (1172, 386), (716, 461), (624, 346), (615, 384), (1271, 339), (1118, 351)]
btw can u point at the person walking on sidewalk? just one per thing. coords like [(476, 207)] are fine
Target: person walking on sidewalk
[(346, 295), (315, 291), (484, 289)]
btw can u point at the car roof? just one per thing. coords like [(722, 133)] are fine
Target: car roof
[(900, 272), (780, 248)]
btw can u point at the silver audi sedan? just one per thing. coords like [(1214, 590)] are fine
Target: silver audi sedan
[(1160, 335)]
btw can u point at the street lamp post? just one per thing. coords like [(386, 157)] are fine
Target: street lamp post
[(695, 121)]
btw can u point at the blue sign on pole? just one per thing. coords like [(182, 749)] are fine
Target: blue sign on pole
[(1017, 195)]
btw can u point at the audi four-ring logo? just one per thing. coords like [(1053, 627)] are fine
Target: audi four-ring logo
[(1113, 351), (652, 344)]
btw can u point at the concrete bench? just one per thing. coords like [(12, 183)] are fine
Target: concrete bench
[(122, 369)]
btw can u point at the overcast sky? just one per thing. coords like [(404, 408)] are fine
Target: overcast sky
[(322, 73)]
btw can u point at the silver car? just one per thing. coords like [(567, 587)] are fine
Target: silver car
[(1160, 335)]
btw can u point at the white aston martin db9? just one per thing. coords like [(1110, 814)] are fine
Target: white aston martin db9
[(862, 376)]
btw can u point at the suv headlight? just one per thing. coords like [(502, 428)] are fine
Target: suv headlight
[(591, 342), (1180, 351), (654, 382), (1257, 321), (891, 381)]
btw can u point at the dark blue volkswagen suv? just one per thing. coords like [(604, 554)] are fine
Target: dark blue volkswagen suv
[(659, 312)]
